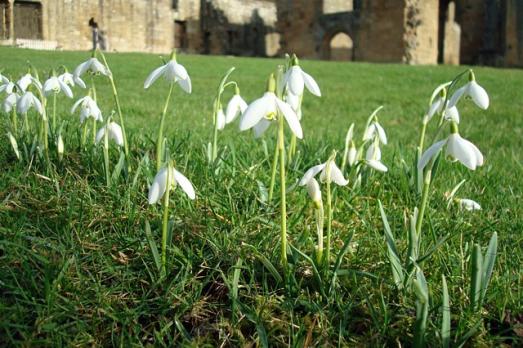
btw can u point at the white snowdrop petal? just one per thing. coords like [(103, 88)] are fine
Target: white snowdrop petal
[(429, 153), (291, 118), (313, 189), (261, 127), (379, 166), (81, 69), (158, 187), (311, 173), (65, 88), (311, 84), (451, 114), (369, 132), (295, 81), (293, 100), (460, 150), (116, 133), (100, 134), (469, 204), (456, 96), (180, 71), (233, 109), (184, 183), (478, 95), (153, 76), (337, 175), (220, 120), (186, 84), (381, 133), (257, 110)]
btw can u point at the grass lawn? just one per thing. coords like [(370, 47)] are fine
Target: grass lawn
[(77, 269)]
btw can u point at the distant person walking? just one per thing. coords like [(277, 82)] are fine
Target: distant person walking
[(98, 36)]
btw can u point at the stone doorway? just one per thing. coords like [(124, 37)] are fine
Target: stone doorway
[(28, 20), (180, 35), (341, 47)]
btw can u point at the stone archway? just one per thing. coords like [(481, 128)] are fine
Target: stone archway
[(340, 47)]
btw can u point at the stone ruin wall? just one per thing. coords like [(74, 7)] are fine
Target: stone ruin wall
[(129, 25)]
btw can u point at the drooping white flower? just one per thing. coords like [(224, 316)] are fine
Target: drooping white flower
[(336, 175), (473, 90), (88, 108), (457, 148), (468, 204), (451, 114), (220, 119), (10, 102), (27, 80), (375, 129), (14, 144), (27, 101), (55, 85), (172, 72), (373, 157), (296, 79), (235, 107), (160, 184), (267, 108), (352, 155), (70, 80), (6, 85), (115, 133), (93, 65), (314, 190)]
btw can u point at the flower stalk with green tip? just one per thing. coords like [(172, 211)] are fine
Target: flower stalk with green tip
[(330, 173), (166, 180), (111, 131), (173, 73)]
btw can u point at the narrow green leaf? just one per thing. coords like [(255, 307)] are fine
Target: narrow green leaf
[(488, 264), (445, 315), (152, 245), (476, 264), (339, 260), (118, 168), (397, 269), (314, 268)]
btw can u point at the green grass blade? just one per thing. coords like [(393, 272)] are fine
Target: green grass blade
[(265, 261), (339, 259)]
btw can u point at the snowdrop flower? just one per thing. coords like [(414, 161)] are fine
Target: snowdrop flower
[(55, 85), (27, 80), (457, 148), (172, 72), (70, 80), (60, 146), (160, 185), (88, 108), (220, 119), (468, 204), (115, 133), (373, 128), (27, 101), (265, 109), (473, 90), (336, 175), (93, 65), (6, 85), (296, 79), (373, 158), (451, 114), (10, 102), (352, 154), (314, 191), (235, 107)]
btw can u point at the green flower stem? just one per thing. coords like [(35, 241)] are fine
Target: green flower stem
[(159, 142), (165, 221), (106, 154), (94, 131), (119, 110), (281, 148), (424, 200), (292, 148), (14, 121), (54, 113), (214, 152), (273, 173), (329, 218), (319, 228)]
